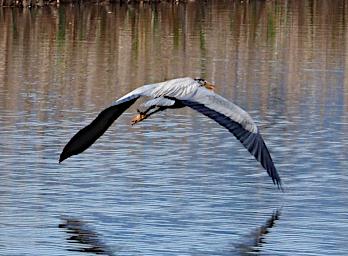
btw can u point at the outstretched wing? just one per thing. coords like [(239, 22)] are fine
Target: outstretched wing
[(238, 122), (89, 134)]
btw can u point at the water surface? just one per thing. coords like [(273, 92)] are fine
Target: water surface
[(178, 184)]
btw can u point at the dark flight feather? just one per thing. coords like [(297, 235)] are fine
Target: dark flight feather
[(253, 142), (89, 134)]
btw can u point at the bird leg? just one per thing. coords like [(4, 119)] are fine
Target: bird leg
[(144, 115), (141, 115), (138, 118)]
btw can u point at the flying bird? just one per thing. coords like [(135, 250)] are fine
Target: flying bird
[(197, 94)]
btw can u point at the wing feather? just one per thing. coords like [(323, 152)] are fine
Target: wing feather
[(89, 134), (239, 123)]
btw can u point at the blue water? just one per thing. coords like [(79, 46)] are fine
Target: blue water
[(178, 183)]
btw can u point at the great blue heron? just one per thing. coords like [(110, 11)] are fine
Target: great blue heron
[(197, 94)]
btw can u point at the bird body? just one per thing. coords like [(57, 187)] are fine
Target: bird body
[(197, 94), (179, 88)]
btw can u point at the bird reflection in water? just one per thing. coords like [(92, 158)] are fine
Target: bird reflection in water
[(89, 241), (255, 239), (83, 236)]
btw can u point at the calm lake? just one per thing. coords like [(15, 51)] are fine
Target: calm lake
[(178, 183)]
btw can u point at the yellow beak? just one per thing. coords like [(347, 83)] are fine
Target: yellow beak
[(209, 86)]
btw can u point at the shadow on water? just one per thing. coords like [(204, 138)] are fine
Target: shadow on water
[(88, 241), (85, 239), (253, 242)]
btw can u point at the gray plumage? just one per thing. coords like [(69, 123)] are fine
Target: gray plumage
[(158, 102), (177, 93)]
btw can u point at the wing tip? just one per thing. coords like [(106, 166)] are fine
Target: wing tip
[(63, 156), (279, 184), (264, 157), (277, 180)]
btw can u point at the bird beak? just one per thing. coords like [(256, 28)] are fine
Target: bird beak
[(209, 86)]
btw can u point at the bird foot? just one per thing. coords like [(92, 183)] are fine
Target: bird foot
[(138, 118)]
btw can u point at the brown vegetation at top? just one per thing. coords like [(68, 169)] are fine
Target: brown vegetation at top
[(40, 3)]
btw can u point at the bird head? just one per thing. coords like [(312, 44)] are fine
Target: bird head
[(205, 84)]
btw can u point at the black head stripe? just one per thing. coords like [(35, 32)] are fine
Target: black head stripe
[(200, 81)]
